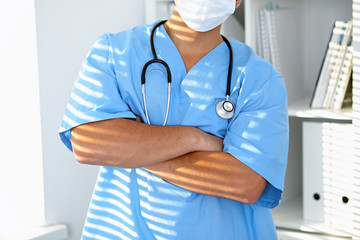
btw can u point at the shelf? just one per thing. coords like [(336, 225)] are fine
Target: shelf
[(288, 215), (54, 232), (295, 235), (301, 109)]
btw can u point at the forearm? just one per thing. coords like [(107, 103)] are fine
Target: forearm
[(196, 161), (129, 144), (212, 173)]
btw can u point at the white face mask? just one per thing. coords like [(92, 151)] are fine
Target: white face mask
[(204, 15)]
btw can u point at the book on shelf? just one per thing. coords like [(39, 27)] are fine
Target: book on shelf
[(266, 34), (277, 32), (343, 91), (336, 70)]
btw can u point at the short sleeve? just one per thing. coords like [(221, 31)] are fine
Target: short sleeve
[(259, 135), (95, 95)]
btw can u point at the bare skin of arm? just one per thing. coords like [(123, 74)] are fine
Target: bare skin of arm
[(128, 144), (196, 164), (212, 173)]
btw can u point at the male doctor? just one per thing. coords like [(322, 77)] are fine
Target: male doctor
[(199, 176)]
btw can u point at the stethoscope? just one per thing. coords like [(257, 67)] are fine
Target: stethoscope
[(224, 108)]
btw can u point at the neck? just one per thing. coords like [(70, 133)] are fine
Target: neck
[(187, 38), (192, 45)]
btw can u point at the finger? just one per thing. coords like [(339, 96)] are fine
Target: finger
[(138, 119)]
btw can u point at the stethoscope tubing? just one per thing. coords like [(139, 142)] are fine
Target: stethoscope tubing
[(221, 108), (167, 106), (168, 73), (228, 85), (152, 38)]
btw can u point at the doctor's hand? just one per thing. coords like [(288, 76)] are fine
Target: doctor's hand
[(139, 120), (209, 142)]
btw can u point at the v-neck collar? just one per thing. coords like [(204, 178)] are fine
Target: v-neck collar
[(167, 37)]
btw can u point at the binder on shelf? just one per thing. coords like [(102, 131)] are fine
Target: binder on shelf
[(313, 187), (328, 173), (335, 71)]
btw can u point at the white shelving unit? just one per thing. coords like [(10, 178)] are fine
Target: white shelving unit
[(311, 22)]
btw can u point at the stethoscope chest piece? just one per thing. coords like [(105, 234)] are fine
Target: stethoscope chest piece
[(225, 109)]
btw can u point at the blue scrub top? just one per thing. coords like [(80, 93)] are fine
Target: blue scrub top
[(135, 204)]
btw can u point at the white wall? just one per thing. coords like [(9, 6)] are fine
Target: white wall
[(21, 188), (65, 32)]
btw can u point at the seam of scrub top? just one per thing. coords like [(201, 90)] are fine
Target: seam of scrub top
[(162, 29)]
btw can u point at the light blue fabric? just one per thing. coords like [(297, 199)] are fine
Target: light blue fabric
[(135, 204)]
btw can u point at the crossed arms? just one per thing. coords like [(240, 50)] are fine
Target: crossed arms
[(184, 156)]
